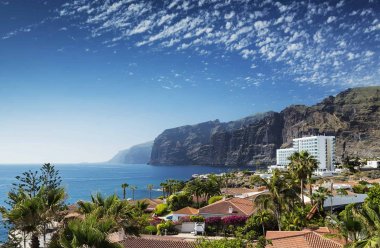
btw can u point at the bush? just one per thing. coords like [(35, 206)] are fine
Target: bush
[(213, 225), (234, 220), (197, 218), (161, 209), (374, 195), (168, 226), (362, 182), (215, 199), (151, 229), (360, 189)]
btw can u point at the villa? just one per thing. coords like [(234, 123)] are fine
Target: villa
[(228, 207)]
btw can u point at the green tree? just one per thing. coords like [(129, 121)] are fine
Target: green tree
[(197, 188), (320, 196), (302, 165), (262, 216), (50, 178), (150, 188), (124, 186), (133, 188), (275, 199), (89, 232)]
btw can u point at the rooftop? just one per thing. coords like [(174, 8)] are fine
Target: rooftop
[(156, 242), (239, 206), (301, 239), (187, 210)]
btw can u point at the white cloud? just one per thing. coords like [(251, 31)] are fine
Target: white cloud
[(261, 24), (331, 19), (291, 39)]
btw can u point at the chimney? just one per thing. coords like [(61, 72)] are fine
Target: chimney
[(230, 210), (224, 198)]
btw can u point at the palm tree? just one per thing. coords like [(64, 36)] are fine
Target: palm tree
[(320, 196), (275, 197), (90, 232), (196, 187), (124, 186), (369, 217), (54, 202), (262, 216), (133, 188), (26, 216), (150, 188), (302, 165), (163, 186)]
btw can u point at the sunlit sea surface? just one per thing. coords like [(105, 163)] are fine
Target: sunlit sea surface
[(82, 180)]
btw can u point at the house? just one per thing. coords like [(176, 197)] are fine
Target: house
[(372, 164), (302, 239), (243, 192), (152, 203), (228, 207), (186, 211)]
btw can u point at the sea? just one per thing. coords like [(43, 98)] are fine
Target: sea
[(82, 180)]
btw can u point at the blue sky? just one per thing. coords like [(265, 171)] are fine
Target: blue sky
[(80, 80)]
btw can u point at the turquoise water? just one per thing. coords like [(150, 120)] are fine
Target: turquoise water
[(82, 180)]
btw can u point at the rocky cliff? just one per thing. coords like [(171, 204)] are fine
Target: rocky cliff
[(138, 154), (353, 116)]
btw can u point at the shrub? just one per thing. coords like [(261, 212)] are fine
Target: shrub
[(197, 218), (213, 221), (151, 229), (161, 209), (360, 189), (168, 226), (234, 220), (362, 182), (374, 195), (215, 199), (213, 225)]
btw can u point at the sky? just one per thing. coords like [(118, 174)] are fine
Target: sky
[(81, 80)]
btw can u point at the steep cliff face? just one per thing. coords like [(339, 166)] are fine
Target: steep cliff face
[(138, 154), (353, 116)]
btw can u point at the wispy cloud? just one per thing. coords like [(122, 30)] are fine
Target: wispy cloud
[(306, 41)]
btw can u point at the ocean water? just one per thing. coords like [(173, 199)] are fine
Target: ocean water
[(82, 180)]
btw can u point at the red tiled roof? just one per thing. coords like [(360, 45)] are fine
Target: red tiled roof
[(144, 242), (152, 202), (239, 206), (300, 239), (187, 210)]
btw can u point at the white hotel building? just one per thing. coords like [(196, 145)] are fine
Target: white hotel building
[(321, 147)]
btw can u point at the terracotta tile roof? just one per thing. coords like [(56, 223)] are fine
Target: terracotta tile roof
[(145, 242), (300, 239), (187, 210), (239, 206), (152, 203)]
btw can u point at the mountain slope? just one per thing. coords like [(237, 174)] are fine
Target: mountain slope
[(138, 154), (353, 116)]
